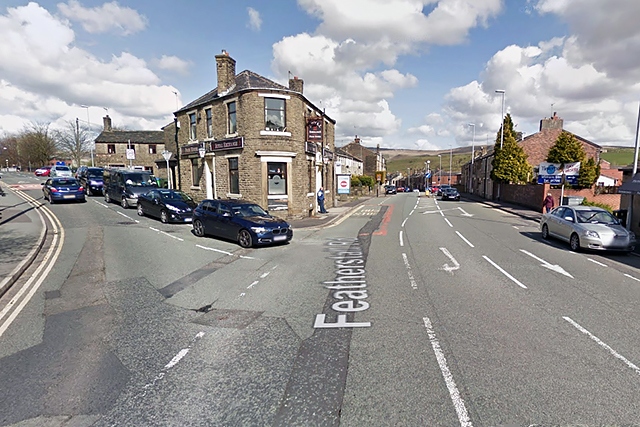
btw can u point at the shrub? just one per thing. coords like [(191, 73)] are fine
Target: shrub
[(585, 202)]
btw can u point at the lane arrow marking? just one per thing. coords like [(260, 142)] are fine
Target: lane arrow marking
[(545, 264), (447, 267), (464, 213)]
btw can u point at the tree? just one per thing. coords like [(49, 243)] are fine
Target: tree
[(567, 149), (35, 144), (509, 161), (73, 141)]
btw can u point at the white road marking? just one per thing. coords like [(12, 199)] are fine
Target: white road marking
[(603, 345), (126, 216), (631, 277), (442, 213), (412, 281), (167, 234), (465, 240), (447, 267), (404, 222), (401, 242), (448, 222), (464, 213), (182, 353), (263, 275), (101, 204), (221, 251), (504, 272), (253, 284), (545, 264), (411, 213), (597, 262), (515, 226), (458, 402)]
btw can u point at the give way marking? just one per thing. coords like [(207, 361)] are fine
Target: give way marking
[(545, 264)]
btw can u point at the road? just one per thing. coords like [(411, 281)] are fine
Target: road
[(451, 313)]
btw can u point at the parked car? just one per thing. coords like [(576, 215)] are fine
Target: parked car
[(91, 179), (587, 227), (442, 187), (125, 185), (390, 189), (400, 189), (43, 171), (241, 221), (60, 171), (63, 189), (168, 205), (81, 169), (449, 193)]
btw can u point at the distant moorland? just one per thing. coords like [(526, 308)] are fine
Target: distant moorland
[(399, 160)]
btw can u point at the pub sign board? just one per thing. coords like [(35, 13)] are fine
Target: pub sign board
[(314, 129)]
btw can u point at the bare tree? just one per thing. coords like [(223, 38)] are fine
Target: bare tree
[(35, 144), (73, 141)]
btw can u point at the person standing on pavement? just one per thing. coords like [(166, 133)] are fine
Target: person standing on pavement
[(321, 200), (548, 203)]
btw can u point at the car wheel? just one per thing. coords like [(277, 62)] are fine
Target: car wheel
[(164, 216), (244, 239), (124, 203), (140, 210), (51, 199), (545, 232), (574, 242), (198, 228)]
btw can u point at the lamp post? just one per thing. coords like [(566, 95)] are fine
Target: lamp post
[(167, 155), (89, 127), (473, 155), (176, 124), (450, 159), (440, 168), (408, 177), (501, 91), (427, 174)]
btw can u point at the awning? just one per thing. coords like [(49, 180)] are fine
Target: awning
[(632, 186)]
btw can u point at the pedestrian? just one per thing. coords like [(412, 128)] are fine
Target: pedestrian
[(321, 200), (548, 203)]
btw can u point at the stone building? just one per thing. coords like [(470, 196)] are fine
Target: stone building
[(254, 139), (345, 163), (373, 161), (141, 149)]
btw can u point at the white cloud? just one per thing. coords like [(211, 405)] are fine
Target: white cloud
[(255, 22), (45, 77), (108, 17), (173, 63)]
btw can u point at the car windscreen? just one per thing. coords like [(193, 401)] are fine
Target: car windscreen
[(175, 195), (64, 182), (248, 210), (596, 217), (62, 168), (94, 174), (139, 180)]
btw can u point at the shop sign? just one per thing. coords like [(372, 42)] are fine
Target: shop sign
[(189, 149), (310, 147), (314, 129), (327, 155), (552, 173), (226, 144)]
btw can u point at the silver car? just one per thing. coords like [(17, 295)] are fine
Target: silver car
[(587, 227), (59, 171)]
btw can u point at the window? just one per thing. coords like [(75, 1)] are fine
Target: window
[(209, 123), (311, 173), (274, 114), (196, 172), (231, 113), (192, 126), (277, 178), (111, 148), (153, 149), (234, 182)]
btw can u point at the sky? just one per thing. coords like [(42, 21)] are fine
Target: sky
[(412, 74)]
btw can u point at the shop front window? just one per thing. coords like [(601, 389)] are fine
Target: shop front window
[(234, 181), (277, 178)]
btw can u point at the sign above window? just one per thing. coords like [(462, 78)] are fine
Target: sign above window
[(310, 147), (314, 129)]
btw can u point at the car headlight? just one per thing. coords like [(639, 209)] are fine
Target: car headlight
[(173, 208), (591, 233), (258, 230)]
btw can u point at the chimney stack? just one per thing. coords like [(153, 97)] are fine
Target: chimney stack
[(553, 122), (357, 140), (106, 122), (226, 68), (296, 84)]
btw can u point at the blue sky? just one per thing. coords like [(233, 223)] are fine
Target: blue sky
[(399, 73)]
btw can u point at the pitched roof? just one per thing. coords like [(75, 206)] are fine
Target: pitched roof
[(243, 81), (135, 136)]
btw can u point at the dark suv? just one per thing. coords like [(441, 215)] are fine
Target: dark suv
[(390, 189), (125, 185), (91, 179)]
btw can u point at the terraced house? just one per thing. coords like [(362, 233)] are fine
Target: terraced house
[(258, 140)]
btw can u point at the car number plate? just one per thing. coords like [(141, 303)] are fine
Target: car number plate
[(278, 238), (187, 219), (69, 196)]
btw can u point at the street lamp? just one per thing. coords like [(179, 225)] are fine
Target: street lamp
[(440, 168), (167, 155), (89, 127), (450, 158), (473, 141), (501, 91), (427, 174)]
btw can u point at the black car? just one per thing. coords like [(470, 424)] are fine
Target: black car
[(168, 205), (91, 179), (390, 189), (450, 193), (241, 221)]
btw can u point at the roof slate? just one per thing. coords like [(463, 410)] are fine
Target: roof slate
[(245, 80), (135, 136)]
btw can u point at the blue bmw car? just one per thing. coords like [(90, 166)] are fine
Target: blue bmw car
[(63, 189), (168, 205), (241, 221)]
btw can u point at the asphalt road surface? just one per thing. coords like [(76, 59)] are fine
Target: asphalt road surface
[(409, 312)]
